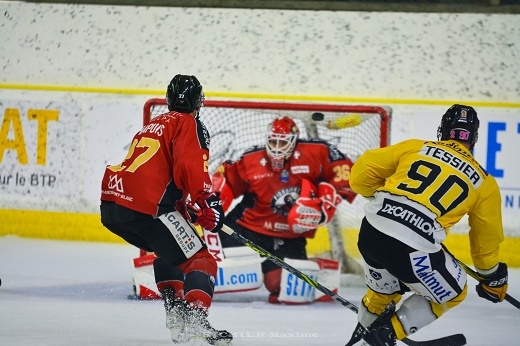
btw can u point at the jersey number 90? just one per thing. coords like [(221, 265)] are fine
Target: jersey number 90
[(451, 192)]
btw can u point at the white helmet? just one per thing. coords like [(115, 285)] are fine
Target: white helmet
[(281, 140)]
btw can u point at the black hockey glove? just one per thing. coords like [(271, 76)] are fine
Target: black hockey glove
[(211, 213), (493, 287)]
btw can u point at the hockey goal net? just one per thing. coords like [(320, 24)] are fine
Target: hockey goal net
[(235, 126)]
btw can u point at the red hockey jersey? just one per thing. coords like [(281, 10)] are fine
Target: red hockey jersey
[(167, 160), (269, 196)]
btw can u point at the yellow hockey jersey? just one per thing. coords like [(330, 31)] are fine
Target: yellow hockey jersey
[(419, 189)]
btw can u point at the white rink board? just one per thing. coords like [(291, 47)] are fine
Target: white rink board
[(88, 136)]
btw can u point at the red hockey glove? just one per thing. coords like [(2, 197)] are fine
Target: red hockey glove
[(211, 214), (305, 215), (493, 287), (329, 201)]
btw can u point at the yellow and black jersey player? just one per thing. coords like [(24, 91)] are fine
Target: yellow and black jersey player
[(418, 189)]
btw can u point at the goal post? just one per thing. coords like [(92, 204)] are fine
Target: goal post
[(235, 126)]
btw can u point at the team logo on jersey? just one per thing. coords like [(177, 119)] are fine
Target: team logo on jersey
[(297, 154), (115, 183), (263, 162), (409, 217), (283, 200)]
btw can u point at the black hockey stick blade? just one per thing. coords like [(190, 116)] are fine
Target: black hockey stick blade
[(450, 340)]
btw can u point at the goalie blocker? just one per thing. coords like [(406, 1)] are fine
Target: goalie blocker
[(314, 207)]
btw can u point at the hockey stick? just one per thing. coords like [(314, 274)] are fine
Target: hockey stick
[(474, 275), (451, 340)]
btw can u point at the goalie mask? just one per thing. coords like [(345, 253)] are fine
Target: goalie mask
[(281, 140), (459, 123), (184, 94)]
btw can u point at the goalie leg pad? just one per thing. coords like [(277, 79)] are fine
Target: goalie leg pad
[(240, 270), (144, 278), (294, 290), (329, 276)]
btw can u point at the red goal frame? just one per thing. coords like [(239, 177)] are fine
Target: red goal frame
[(385, 117)]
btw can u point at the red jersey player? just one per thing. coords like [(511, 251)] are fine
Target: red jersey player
[(143, 202), (289, 187)]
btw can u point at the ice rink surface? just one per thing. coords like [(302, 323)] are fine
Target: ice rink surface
[(74, 293)]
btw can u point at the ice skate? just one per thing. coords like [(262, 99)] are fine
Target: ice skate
[(200, 332), (176, 312), (381, 332)]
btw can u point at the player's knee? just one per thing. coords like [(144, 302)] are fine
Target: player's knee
[(202, 261), (272, 281), (415, 313)]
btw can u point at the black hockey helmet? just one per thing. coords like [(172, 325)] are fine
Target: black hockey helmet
[(460, 123), (184, 94)]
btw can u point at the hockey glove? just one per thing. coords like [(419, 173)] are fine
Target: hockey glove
[(305, 215), (211, 214), (329, 201), (493, 287)]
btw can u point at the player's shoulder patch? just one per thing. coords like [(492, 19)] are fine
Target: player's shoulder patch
[(203, 135)]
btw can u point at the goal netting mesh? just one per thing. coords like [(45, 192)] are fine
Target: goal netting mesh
[(235, 126)]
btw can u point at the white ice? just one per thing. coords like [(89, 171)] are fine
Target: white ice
[(75, 293)]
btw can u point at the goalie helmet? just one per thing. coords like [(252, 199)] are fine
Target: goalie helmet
[(184, 94), (459, 123), (282, 135)]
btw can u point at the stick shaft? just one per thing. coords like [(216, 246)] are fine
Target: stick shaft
[(289, 268)]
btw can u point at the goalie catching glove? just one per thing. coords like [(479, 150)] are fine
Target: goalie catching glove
[(208, 209), (313, 208), (493, 287)]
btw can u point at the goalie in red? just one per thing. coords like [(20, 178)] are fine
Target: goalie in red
[(289, 187), (143, 202)]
